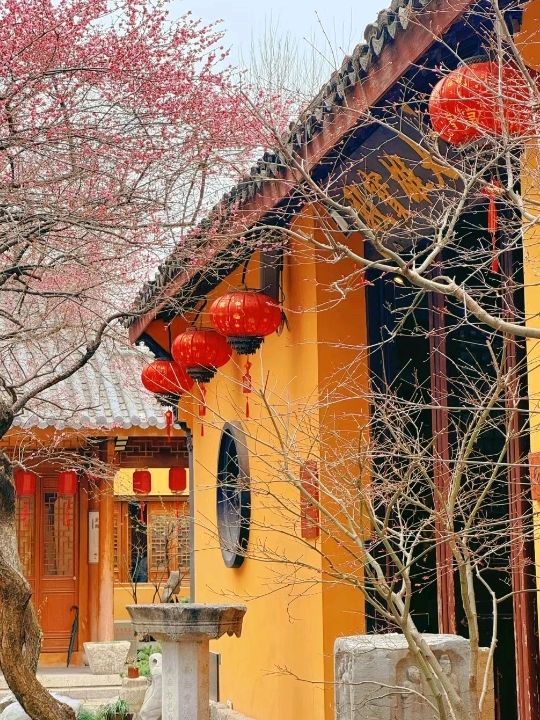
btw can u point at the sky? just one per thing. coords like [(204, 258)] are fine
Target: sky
[(244, 20)]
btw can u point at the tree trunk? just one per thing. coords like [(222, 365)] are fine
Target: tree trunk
[(20, 635)]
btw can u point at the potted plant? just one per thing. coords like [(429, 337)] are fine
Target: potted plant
[(117, 710)]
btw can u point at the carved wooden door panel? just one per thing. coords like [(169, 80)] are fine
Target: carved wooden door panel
[(57, 581)]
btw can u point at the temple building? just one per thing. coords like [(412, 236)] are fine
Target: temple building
[(90, 540), (367, 140)]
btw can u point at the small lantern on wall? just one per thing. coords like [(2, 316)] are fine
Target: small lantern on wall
[(25, 482), (245, 318), (67, 483), (177, 479), (142, 482)]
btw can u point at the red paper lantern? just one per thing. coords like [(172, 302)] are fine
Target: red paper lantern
[(245, 318), (67, 483), (25, 482), (201, 352), (177, 479), (142, 482), (465, 104), (166, 377)]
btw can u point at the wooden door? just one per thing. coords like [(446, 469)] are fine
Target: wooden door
[(48, 546)]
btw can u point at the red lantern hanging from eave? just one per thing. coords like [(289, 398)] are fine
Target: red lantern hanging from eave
[(66, 483), (245, 318), (481, 98), (142, 482), (177, 479), (201, 352), (165, 377), (25, 482)]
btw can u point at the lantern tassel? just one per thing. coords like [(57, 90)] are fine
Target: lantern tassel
[(492, 229), (246, 384), (142, 506), (169, 424), (202, 407), (492, 225)]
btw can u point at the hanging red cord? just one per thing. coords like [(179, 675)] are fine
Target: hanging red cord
[(168, 424), (246, 384), (142, 508), (202, 406), (492, 222)]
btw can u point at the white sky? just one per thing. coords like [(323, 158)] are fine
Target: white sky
[(243, 20)]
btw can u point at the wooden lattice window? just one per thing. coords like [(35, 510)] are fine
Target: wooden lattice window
[(150, 540), (58, 534), (26, 524), (168, 547)]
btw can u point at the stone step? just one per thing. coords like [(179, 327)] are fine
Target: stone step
[(93, 690), (61, 679)]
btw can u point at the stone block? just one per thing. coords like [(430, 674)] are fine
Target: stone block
[(219, 711), (107, 658), (377, 678), (133, 691)]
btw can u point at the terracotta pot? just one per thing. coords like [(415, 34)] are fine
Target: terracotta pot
[(133, 672)]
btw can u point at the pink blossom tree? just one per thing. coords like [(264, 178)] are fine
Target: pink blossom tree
[(114, 122)]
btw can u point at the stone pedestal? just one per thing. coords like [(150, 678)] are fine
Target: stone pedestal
[(376, 678), (184, 632)]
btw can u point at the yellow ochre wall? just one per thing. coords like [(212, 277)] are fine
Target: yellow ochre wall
[(282, 666)]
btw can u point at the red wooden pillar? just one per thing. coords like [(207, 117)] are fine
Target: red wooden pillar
[(106, 554), (446, 604), (93, 567)]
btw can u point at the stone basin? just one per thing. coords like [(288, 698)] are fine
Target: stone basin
[(178, 621), (184, 631)]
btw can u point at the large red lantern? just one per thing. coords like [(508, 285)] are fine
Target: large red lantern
[(66, 483), (165, 377), (201, 352), (478, 99), (177, 479), (25, 482), (245, 318), (142, 482)]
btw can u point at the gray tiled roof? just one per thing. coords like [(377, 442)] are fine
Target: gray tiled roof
[(389, 24), (105, 394)]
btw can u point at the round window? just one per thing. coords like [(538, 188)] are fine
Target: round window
[(233, 495)]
